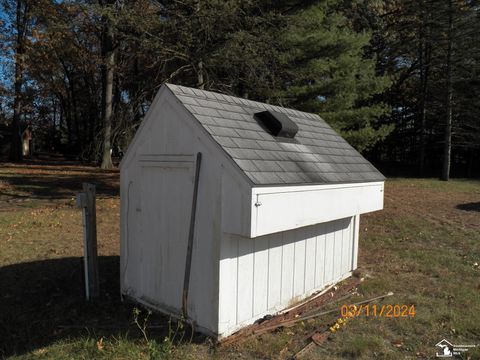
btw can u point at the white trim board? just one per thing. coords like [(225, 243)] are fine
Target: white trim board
[(276, 209)]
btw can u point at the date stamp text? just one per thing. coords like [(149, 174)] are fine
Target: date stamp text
[(373, 310)]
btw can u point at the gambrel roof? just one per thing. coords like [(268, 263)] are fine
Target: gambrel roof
[(317, 156)]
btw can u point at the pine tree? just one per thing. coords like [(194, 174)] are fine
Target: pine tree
[(327, 72), (293, 53)]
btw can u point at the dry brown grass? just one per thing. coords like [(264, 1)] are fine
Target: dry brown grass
[(423, 247)]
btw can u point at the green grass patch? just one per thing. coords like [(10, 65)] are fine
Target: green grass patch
[(454, 185)]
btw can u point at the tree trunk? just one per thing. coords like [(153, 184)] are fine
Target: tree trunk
[(65, 117), (16, 153), (447, 148), (200, 76), (424, 69), (91, 124), (78, 136), (109, 56), (200, 79)]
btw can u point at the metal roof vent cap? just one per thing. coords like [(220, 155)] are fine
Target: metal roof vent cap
[(277, 124)]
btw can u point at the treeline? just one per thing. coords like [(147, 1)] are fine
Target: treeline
[(432, 49), (399, 79)]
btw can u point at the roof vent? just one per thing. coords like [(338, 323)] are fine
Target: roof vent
[(277, 124)]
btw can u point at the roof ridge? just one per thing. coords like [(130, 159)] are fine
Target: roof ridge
[(241, 101)]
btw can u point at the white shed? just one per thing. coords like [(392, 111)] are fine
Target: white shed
[(277, 213)]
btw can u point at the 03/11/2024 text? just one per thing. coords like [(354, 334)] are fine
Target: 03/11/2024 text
[(374, 310)]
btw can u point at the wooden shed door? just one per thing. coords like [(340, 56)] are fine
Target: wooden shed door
[(167, 189)]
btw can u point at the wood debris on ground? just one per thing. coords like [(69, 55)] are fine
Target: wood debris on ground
[(303, 311), (320, 336), (291, 316)]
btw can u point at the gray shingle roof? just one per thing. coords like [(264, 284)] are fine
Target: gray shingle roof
[(321, 156)]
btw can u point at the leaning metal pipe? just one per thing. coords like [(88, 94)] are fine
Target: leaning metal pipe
[(191, 233)]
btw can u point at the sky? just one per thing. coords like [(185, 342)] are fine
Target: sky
[(5, 58)]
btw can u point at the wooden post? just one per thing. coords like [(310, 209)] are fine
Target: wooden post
[(86, 201)]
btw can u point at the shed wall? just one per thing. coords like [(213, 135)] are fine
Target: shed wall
[(156, 195), (268, 273)]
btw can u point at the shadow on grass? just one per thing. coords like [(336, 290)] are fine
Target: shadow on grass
[(52, 186), (474, 206), (43, 301)]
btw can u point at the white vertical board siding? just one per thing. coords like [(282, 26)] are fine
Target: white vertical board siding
[(275, 253), (288, 263), (268, 273), (260, 275), (245, 272), (347, 245), (320, 246), (329, 253), (228, 287), (311, 261), (299, 260), (355, 227)]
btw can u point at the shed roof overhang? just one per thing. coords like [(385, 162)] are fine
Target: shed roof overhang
[(276, 209)]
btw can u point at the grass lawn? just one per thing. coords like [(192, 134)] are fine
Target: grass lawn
[(424, 247)]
